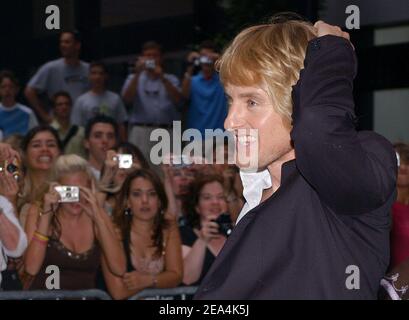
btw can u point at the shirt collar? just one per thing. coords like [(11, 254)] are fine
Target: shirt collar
[(8, 108), (254, 183)]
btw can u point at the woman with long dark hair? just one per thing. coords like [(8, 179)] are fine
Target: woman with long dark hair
[(41, 148), (150, 237), (201, 237), (112, 176)]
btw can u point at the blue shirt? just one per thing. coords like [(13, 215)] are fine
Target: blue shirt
[(208, 104), (16, 119)]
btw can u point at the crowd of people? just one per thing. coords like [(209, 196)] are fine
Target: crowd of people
[(133, 227), (130, 228)]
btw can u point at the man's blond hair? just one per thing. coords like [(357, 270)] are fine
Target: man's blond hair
[(268, 55)]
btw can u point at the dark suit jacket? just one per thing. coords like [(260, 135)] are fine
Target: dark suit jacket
[(324, 234)]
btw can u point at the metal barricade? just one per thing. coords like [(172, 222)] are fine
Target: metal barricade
[(92, 294), (179, 293), (165, 294)]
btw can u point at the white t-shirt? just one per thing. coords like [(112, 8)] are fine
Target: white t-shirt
[(90, 105), (56, 75)]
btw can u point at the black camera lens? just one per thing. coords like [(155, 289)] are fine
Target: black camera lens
[(225, 224), (12, 168)]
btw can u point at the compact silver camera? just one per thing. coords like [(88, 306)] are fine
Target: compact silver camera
[(125, 161), (68, 194), (150, 64)]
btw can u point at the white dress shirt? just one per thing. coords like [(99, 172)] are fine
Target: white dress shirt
[(254, 183)]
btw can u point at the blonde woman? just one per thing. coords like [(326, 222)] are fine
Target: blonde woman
[(76, 237)]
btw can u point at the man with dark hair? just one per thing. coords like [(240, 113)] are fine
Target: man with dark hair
[(204, 91), (99, 101), (101, 135), (15, 118), (71, 135), (68, 73), (155, 96)]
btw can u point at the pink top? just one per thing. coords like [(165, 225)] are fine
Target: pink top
[(400, 233), (149, 266)]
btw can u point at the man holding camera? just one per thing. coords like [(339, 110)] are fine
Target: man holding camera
[(207, 100), (155, 96)]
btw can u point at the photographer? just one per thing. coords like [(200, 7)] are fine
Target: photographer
[(71, 231), (155, 96), (207, 100), (115, 171), (13, 240), (203, 239), (177, 181)]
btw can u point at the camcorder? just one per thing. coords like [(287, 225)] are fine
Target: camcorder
[(125, 161), (150, 64), (225, 224), (68, 194)]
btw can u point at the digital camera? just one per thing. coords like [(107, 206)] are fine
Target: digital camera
[(68, 194), (13, 168), (225, 224), (150, 64), (202, 60), (125, 161)]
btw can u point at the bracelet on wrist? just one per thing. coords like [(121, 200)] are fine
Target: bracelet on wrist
[(40, 238), (43, 213)]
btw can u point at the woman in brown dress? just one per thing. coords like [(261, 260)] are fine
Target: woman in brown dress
[(73, 237)]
